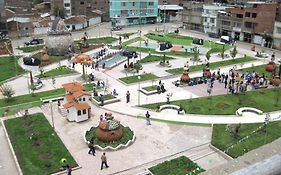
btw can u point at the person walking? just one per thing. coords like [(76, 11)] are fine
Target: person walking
[(68, 170), (147, 115), (92, 149), (103, 161), (128, 96)]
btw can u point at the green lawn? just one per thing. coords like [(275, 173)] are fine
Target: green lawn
[(176, 71), (106, 97), (172, 38), (154, 58), (31, 48), (52, 59), (131, 41), (126, 34), (37, 147), (152, 51), (127, 135), (105, 40), (178, 166), (150, 88), (264, 100), (9, 67), (134, 79), (259, 69), (223, 139), (62, 70)]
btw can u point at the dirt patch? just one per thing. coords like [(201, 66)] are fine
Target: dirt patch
[(194, 109), (37, 143), (44, 156), (222, 105)]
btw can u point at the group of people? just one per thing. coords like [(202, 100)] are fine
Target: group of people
[(92, 151), (161, 87)]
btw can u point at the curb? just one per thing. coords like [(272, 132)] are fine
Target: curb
[(64, 171), (224, 155), (59, 76), (12, 149)]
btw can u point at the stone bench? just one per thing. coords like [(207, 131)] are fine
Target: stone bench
[(240, 111), (168, 106)]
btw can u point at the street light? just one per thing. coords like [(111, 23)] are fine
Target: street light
[(52, 115), (279, 61), (139, 77)]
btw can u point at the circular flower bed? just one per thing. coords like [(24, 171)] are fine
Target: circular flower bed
[(127, 138)]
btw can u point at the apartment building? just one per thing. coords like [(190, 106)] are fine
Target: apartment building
[(253, 22), (170, 2), (132, 12), (209, 15), (88, 8), (191, 15)]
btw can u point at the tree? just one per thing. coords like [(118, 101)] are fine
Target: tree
[(59, 11), (208, 56), (138, 66), (32, 87), (234, 52), (7, 91)]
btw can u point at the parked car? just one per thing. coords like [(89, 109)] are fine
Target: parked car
[(117, 28), (34, 41), (213, 35)]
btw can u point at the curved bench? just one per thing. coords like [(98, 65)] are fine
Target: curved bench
[(240, 111), (168, 106)]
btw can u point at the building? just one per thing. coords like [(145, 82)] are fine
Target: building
[(209, 15), (76, 102), (192, 15), (83, 7), (132, 12), (253, 22), (277, 35), (170, 2), (169, 13)]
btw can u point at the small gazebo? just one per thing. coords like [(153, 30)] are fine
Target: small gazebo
[(84, 60)]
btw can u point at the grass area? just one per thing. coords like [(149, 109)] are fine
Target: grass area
[(131, 41), (105, 40), (9, 67), (52, 59), (213, 65), (152, 51), (154, 58), (150, 88), (134, 79), (106, 97), (62, 70), (126, 34), (259, 69), (175, 122), (178, 166), (228, 104), (37, 147), (29, 98), (127, 135), (172, 38), (223, 139), (31, 48)]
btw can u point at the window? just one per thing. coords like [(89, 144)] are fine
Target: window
[(255, 6), (84, 111), (150, 3), (78, 112), (133, 4), (250, 25), (84, 99), (239, 15), (212, 20), (226, 23), (80, 99), (124, 4), (247, 14), (278, 29), (124, 12), (81, 2), (205, 19), (254, 15), (67, 5)]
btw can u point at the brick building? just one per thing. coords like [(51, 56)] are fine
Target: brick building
[(253, 22)]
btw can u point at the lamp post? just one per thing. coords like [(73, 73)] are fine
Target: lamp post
[(52, 115), (139, 77), (279, 61)]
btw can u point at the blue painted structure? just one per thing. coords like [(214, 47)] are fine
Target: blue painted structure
[(133, 12)]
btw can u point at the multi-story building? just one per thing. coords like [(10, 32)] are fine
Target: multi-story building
[(192, 15), (170, 2), (132, 12), (83, 7), (253, 22), (277, 35), (209, 15)]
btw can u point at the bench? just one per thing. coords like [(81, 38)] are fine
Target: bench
[(168, 106), (261, 87), (240, 111)]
